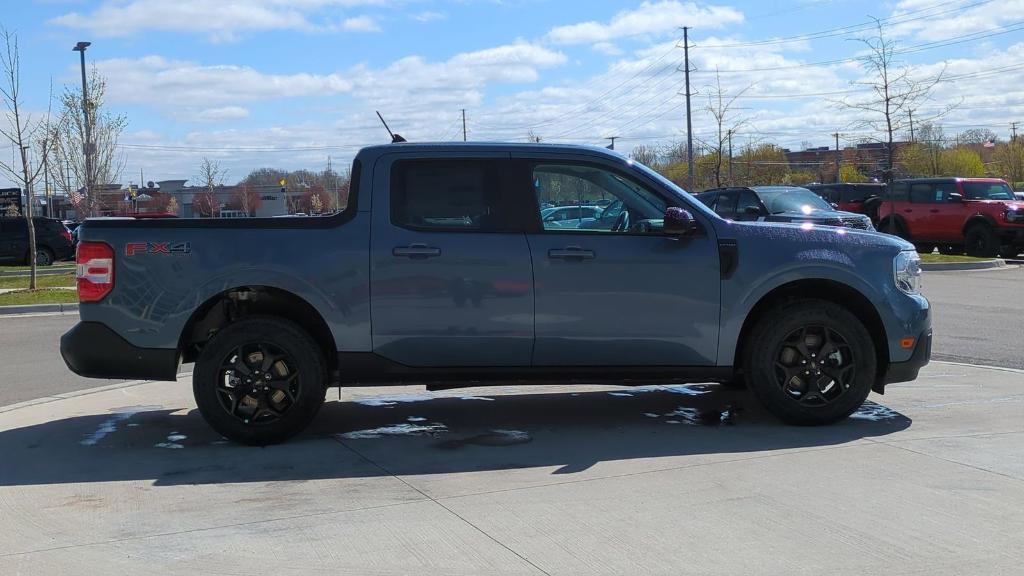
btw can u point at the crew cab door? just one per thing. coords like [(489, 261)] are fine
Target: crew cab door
[(451, 283), (622, 294), (13, 239)]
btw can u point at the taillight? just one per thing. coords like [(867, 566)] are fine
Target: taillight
[(95, 270), (67, 235)]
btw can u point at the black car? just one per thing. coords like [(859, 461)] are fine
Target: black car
[(53, 241), (779, 204)]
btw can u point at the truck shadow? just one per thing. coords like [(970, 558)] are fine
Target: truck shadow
[(421, 434)]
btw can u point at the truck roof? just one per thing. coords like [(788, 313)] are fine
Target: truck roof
[(520, 147)]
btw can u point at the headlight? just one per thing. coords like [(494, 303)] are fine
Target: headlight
[(906, 269), (1014, 216)]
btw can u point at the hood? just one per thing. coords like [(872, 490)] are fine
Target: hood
[(813, 216)]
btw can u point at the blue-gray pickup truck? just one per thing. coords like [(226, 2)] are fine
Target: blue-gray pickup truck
[(441, 271)]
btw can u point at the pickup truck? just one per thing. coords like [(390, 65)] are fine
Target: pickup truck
[(440, 271)]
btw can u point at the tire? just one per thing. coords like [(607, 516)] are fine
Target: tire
[(1009, 251), (44, 256), (924, 248), (262, 410), (950, 250), (894, 228), (774, 368), (981, 241)]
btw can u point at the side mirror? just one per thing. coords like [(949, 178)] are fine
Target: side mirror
[(752, 210), (956, 197), (678, 222), (834, 205)]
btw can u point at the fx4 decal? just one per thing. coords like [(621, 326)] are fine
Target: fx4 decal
[(133, 248)]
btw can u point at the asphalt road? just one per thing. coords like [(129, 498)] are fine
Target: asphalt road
[(978, 316), (32, 366), (977, 321)]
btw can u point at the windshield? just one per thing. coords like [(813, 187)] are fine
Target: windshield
[(987, 191), (793, 200)]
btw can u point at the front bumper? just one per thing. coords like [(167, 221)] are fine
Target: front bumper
[(907, 371), (93, 350)]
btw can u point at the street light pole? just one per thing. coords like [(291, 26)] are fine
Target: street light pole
[(87, 145)]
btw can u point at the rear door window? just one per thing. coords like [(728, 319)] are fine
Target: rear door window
[(922, 193), (900, 191), (446, 194), (725, 205)]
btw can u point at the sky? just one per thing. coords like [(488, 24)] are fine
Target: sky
[(294, 83)]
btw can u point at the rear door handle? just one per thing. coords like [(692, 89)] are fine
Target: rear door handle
[(571, 253), (934, 210), (416, 251), (907, 210)]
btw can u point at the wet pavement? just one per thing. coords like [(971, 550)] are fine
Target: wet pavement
[(928, 479)]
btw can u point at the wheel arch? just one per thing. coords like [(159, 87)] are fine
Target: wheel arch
[(978, 220), (820, 289), (231, 305)]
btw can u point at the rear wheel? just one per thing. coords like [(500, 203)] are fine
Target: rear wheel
[(811, 362), (924, 248), (950, 250), (981, 241), (44, 257), (893, 227), (259, 381)]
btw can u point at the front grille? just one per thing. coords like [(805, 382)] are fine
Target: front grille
[(858, 223)]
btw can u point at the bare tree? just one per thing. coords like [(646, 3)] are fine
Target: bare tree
[(68, 135), (895, 94), (532, 137), (21, 130), (722, 110), (211, 175), (646, 155)]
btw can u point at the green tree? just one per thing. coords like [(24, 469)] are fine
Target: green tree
[(1009, 161), (851, 174), (961, 162)]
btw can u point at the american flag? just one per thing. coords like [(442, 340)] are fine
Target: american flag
[(76, 197), (990, 143)]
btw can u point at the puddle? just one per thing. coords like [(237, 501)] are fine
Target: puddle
[(476, 398), (173, 441), (109, 426), (490, 438), (394, 430), (416, 419), (620, 394), (652, 415), (874, 412), (392, 400), (698, 417)]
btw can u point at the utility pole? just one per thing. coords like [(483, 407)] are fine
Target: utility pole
[(613, 139), (910, 115), (80, 48), (839, 157), (729, 136), (1013, 130), (689, 122), (463, 124)]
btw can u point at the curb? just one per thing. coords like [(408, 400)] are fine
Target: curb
[(945, 266), (79, 393), (39, 272), (38, 308)]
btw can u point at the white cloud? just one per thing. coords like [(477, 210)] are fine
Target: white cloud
[(221, 114), (221, 20), (607, 48), (429, 16), (650, 19), (174, 83), (360, 24), (938, 24)]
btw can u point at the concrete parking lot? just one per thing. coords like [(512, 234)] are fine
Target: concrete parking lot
[(928, 479), (128, 479)]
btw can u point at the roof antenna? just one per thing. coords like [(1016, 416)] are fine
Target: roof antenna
[(395, 138)]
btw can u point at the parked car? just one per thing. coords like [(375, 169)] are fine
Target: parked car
[(1019, 195), (567, 216), (981, 216), (53, 241), (862, 198), (779, 204), (440, 271)]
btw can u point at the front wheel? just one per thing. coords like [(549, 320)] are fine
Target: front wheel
[(43, 256), (810, 362), (259, 381), (981, 241)]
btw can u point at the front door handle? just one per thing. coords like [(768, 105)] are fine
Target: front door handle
[(416, 251), (571, 253), (934, 210), (907, 210)]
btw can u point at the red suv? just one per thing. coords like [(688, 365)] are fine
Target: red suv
[(979, 215)]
